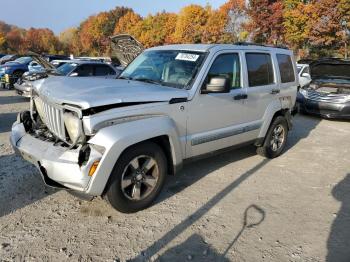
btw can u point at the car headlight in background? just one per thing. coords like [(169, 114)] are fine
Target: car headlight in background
[(73, 125)]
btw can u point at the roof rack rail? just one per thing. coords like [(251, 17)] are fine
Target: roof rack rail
[(256, 44)]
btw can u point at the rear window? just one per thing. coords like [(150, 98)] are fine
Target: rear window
[(286, 68), (260, 70)]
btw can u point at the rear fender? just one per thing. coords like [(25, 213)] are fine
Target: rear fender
[(271, 110)]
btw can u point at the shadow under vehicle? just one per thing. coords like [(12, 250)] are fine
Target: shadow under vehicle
[(328, 94)]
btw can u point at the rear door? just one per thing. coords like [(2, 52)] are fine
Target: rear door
[(262, 84)]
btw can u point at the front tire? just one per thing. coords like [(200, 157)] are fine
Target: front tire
[(137, 178), (276, 139)]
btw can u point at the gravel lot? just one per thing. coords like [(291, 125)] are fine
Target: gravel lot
[(235, 206)]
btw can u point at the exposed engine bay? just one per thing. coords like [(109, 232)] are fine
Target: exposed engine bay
[(330, 88)]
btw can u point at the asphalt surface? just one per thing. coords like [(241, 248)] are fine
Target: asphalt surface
[(235, 206)]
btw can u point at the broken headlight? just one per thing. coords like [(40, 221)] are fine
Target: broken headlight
[(74, 126)]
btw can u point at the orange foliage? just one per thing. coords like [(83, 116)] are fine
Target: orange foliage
[(191, 23)]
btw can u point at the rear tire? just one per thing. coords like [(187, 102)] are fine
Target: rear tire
[(137, 178), (275, 139)]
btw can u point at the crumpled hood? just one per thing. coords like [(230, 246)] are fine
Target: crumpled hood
[(88, 92)]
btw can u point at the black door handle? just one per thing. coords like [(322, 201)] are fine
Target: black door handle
[(240, 96), (275, 91)]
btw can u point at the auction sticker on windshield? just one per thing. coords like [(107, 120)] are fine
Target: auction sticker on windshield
[(187, 57)]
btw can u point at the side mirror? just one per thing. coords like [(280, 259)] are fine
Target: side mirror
[(217, 85), (34, 64), (306, 75), (74, 74)]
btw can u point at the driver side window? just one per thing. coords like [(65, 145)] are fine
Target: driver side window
[(227, 66)]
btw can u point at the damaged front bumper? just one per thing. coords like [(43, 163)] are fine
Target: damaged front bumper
[(59, 166)]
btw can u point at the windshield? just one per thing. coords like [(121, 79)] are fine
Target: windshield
[(24, 60), (66, 68), (170, 68)]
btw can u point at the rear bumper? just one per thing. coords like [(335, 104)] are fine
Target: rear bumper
[(324, 109), (59, 166)]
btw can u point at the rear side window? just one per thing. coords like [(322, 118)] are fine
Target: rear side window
[(226, 65), (103, 70), (286, 68), (85, 70), (260, 70)]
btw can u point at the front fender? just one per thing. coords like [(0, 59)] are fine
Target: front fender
[(115, 139)]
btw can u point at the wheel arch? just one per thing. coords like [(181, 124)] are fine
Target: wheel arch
[(160, 130), (271, 113)]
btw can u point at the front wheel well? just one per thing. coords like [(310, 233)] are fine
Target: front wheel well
[(164, 143)]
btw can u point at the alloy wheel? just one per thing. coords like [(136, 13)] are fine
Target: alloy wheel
[(140, 177)]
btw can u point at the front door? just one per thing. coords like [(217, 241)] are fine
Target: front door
[(217, 120)]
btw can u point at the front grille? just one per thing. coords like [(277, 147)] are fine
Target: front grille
[(326, 97), (52, 116)]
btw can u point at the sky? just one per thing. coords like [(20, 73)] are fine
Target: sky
[(59, 15)]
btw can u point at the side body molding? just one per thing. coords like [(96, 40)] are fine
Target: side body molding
[(115, 139)]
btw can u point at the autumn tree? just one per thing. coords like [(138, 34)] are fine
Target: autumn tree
[(41, 40), (2, 41), (67, 38), (326, 27), (15, 40), (214, 29), (92, 34), (157, 29), (266, 21), (297, 16), (191, 23), (129, 24), (236, 15)]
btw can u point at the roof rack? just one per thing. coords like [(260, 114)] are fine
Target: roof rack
[(256, 44)]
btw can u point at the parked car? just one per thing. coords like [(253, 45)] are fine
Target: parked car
[(50, 58), (328, 94), (8, 58), (84, 68), (121, 137), (72, 68), (304, 74), (11, 71)]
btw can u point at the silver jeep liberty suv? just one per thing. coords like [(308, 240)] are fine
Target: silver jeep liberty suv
[(119, 138)]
